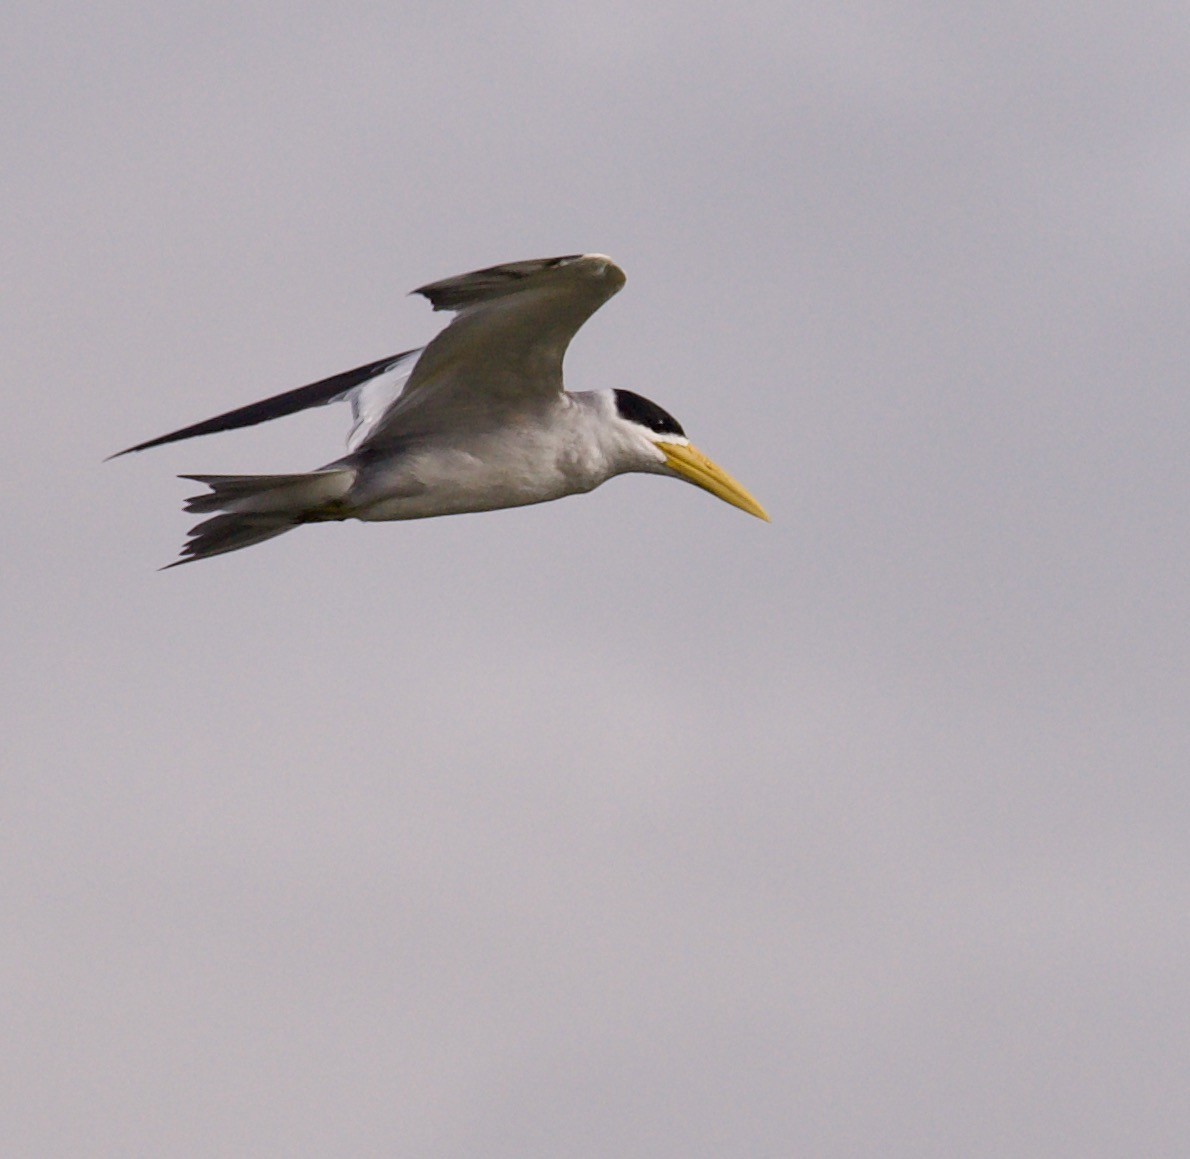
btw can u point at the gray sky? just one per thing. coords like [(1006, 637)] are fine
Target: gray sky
[(625, 825)]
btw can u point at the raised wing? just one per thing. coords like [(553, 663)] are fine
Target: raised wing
[(465, 290), (371, 389), (504, 348)]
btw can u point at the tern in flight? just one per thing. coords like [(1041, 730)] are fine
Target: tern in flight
[(475, 421)]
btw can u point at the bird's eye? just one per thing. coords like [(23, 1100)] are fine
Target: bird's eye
[(636, 409)]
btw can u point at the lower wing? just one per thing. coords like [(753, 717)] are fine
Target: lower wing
[(371, 389)]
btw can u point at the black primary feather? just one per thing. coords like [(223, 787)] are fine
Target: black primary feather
[(289, 402)]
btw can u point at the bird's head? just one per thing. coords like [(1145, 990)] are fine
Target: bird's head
[(665, 450)]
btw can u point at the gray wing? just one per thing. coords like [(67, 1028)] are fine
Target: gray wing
[(370, 389), (505, 347)]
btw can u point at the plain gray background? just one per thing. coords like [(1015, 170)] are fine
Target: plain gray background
[(625, 825)]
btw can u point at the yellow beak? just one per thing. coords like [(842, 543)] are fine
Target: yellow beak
[(696, 468)]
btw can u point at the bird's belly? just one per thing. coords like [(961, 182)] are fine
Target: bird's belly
[(455, 482)]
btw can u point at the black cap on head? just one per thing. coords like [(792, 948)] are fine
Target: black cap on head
[(636, 409)]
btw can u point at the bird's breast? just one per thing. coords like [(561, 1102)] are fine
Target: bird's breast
[(509, 469)]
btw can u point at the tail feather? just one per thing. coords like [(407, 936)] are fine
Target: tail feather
[(261, 493), (253, 508), (224, 533)]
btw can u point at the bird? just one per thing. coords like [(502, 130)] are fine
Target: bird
[(477, 420)]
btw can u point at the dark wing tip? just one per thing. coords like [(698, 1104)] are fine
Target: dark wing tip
[(319, 393), (480, 285), (143, 446)]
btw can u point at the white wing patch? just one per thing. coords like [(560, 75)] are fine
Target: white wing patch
[(370, 401)]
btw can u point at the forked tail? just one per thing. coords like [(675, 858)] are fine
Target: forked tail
[(253, 508)]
